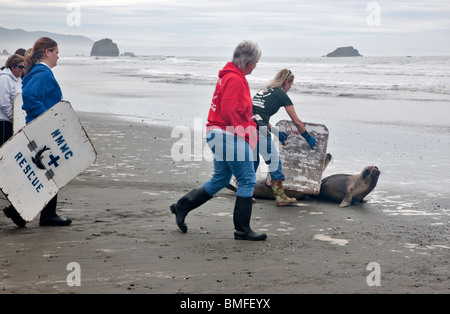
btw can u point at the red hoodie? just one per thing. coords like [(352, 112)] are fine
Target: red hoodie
[(231, 106)]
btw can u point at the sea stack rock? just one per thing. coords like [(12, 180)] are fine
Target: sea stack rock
[(104, 48), (344, 52)]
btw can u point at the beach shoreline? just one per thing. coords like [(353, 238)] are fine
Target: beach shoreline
[(125, 240)]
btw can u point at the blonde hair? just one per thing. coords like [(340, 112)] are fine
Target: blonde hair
[(282, 77), (38, 51)]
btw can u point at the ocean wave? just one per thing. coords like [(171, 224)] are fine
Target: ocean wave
[(425, 78)]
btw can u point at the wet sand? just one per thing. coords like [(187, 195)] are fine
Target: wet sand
[(125, 239)]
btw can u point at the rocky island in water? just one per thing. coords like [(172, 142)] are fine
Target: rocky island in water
[(344, 52), (104, 48)]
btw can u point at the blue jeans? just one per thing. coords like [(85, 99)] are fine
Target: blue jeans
[(266, 148), (232, 156)]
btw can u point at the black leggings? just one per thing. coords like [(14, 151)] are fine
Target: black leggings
[(6, 131)]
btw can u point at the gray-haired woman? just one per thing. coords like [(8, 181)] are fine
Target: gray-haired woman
[(232, 136)]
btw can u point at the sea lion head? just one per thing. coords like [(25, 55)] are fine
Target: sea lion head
[(370, 175)]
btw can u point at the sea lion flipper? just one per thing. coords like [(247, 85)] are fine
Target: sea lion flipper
[(347, 201), (328, 158)]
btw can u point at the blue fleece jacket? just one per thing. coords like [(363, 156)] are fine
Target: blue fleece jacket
[(40, 91)]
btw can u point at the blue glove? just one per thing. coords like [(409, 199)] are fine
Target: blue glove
[(282, 136), (311, 140)]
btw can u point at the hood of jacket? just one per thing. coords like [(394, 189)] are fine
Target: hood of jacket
[(7, 72), (230, 67)]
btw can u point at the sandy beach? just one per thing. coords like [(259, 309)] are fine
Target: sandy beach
[(125, 239)]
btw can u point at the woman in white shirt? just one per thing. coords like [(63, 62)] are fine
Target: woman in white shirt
[(10, 86)]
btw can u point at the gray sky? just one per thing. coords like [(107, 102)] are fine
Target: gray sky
[(211, 27)]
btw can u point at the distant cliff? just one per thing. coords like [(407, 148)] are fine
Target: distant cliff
[(12, 39), (104, 48), (344, 52)]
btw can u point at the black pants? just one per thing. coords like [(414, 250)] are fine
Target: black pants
[(6, 131), (51, 206)]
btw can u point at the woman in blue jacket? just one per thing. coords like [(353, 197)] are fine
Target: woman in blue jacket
[(40, 92)]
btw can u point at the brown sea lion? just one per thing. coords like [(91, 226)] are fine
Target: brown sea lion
[(349, 189), (263, 191)]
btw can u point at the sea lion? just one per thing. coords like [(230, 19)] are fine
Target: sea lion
[(263, 191), (349, 189)]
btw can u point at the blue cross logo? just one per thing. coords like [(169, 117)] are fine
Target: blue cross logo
[(54, 160)]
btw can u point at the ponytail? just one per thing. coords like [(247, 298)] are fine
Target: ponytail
[(37, 53), (282, 77)]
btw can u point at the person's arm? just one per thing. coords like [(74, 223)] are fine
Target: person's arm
[(5, 98), (33, 97), (295, 119), (300, 126)]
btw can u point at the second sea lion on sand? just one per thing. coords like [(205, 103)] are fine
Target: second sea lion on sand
[(263, 191), (349, 189)]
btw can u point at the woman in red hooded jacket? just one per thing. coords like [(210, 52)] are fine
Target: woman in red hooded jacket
[(232, 137)]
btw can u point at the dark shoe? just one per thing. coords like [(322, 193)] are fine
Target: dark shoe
[(50, 218), (55, 221), (190, 201), (180, 215), (249, 235), (12, 213), (241, 219)]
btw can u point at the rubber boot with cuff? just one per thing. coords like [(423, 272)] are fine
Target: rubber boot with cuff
[(50, 218), (241, 218), (280, 196)]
